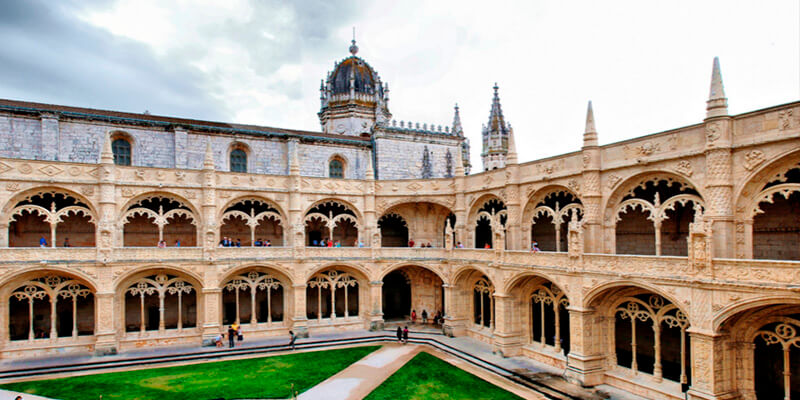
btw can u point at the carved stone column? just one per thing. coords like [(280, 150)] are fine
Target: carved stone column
[(299, 320), (710, 378), (210, 233), (376, 311), (106, 225), (508, 340), (585, 363), (590, 193)]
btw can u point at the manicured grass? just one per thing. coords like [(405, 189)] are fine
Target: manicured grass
[(267, 377), (427, 377)]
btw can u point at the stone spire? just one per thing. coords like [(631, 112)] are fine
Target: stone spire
[(717, 104), (208, 162), (512, 147), (590, 133), (106, 154), (495, 136), (458, 130)]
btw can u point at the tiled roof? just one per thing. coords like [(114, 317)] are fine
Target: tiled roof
[(158, 120)]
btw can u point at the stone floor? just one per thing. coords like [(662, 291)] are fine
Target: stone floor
[(352, 379)]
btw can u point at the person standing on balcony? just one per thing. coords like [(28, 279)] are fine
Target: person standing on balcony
[(269, 243), (410, 242), (42, 242), (535, 247), (66, 242), (178, 243)]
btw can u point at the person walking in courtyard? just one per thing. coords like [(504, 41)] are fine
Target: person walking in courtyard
[(405, 335), (413, 316), (424, 317), (399, 335), (292, 338), (231, 336)]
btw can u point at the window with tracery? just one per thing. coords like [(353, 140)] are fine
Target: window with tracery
[(51, 219), (157, 218), (331, 221), (483, 303), (49, 307), (776, 351), (551, 216), (650, 337), (160, 302), (254, 297), (332, 293), (549, 317)]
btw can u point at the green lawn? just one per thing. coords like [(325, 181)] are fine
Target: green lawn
[(267, 377), (427, 377)]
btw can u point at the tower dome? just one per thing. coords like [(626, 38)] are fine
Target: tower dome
[(353, 99)]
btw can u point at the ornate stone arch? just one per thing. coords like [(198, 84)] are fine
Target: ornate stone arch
[(278, 271), (358, 271), (268, 211), (725, 315), (349, 205), (51, 205), (521, 277), (160, 218), (262, 199), (627, 185), (592, 295), (479, 202), (397, 266)]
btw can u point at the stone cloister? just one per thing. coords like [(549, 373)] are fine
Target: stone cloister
[(667, 259)]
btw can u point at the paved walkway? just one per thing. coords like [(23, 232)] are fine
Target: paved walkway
[(361, 378), (9, 395)]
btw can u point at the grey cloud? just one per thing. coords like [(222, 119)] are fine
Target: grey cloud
[(49, 55)]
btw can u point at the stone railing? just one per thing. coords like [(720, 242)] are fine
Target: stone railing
[(760, 272)]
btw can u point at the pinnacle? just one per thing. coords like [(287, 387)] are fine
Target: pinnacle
[(590, 133), (717, 104)]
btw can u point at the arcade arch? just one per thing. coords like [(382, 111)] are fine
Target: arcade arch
[(255, 296), (651, 215), (159, 300), (254, 221), (335, 294), (394, 230), (644, 332), (424, 220), (51, 218), (488, 224), (411, 288), (153, 218), (543, 314), (549, 212), (49, 305), (331, 220)]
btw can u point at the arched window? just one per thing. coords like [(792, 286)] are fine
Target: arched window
[(336, 168), (238, 160), (122, 151)]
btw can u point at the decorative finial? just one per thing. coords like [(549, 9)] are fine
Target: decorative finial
[(590, 133), (353, 47), (717, 104), (495, 88)]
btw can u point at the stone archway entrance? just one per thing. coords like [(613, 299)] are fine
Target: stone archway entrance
[(396, 296), (412, 288)]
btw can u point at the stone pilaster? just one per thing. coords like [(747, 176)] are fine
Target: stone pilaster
[(507, 340), (105, 331), (585, 365), (295, 230), (710, 378), (299, 319), (212, 320), (210, 234), (454, 325), (376, 309)]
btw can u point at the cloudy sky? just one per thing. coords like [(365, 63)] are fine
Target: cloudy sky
[(646, 65)]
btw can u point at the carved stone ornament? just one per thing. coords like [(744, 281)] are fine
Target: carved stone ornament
[(12, 186), (684, 167), (785, 119), (700, 243), (753, 159), (25, 169), (127, 192), (712, 131), (574, 185), (613, 180)]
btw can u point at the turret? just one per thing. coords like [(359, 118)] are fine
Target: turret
[(495, 137)]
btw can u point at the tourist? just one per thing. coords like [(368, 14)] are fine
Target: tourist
[(238, 242), (42, 242), (487, 246), (413, 316), (535, 247), (337, 244), (178, 243), (315, 243), (329, 243), (66, 242), (405, 334), (218, 340), (239, 333), (399, 335), (437, 318), (410, 242), (429, 245), (424, 317), (360, 243), (258, 243), (162, 244), (292, 338), (269, 243), (231, 335), (459, 245)]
